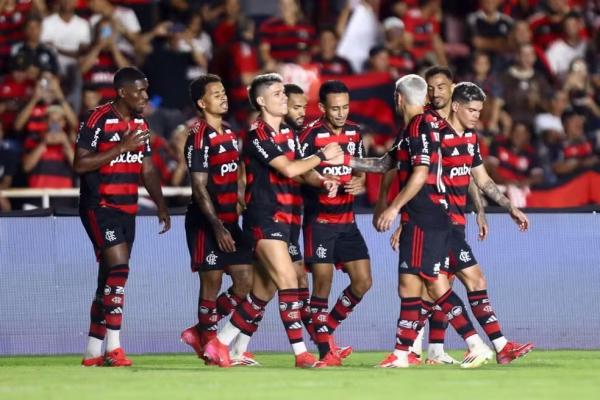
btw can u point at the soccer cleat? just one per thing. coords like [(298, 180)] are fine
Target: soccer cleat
[(511, 351), (247, 359), (414, 358), (92, 362), (191, 337), (117, 358), (391, 361), (307, 360), (332, 359), (342, 352), (477, 357), (441, 359), (217, 352)]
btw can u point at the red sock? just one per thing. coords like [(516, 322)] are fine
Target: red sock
[(305, 313), (410, 311), (484, 313), (455, 310), (207, 319), (343, 307), (289, 311), (114, 296), (438, 323), (97, 326), (318, 308), (426, 309), (227, 302), (248, 314)]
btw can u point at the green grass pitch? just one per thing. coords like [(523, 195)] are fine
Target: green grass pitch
[(569, 375)]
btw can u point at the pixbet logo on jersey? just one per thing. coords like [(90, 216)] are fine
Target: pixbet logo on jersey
[(337, 170), (128, 158), (229, 167), (460, 171)]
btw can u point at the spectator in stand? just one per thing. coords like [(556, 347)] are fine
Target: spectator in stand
[(513, 161), (576, 152), (546, 24), (48, 156), (225, 32), (520, 35), (283, 39), (563, 51), (519, 9), (379, 61), (37, 55), (196, 41), (327, 61), (358, 23), (551, 120), (90, 99), (102, 60), (9, 165), (481, 75), (13, 14), (422, 27), (578, 85), (33, 117), (15, 91), (163, 158), (146, 11), (401, 60), (525, 91), (125, 22), (489, 28)]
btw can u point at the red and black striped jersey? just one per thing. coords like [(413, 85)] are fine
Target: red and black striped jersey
[(338, 209), (286, 41), (53, 169), (422, 30), (269, 193), (578, 149), (115, 184), (419, 145), (216, 154), (512, 164), (11, 28), (100, 76), (460, 153)]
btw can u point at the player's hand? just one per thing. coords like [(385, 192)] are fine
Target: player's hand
[(356, 185), (395, 238), (386, 219), (164, 219), (331, 185), (133, 141), (333, 154), (483, 226), (379, 208), (224, 239), (520, 218)]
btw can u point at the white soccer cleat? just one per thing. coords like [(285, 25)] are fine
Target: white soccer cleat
[(477, 357), (441, 359), (247, 360)]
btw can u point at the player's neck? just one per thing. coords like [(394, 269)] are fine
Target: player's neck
[(411, 111), (456, 125), (273, 121), (445, 112), (122, 109), (335, 130), (215, 121)]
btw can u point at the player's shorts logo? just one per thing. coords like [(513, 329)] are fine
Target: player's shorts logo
[(110, 236), (293, 250), (211, 259), (321, 251), (464, 256), (351, 148), (404, 265), (277, 235)]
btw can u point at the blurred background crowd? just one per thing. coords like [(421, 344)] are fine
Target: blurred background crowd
[(537, 60)]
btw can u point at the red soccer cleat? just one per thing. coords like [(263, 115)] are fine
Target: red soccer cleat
[(391, 361), (307, 360), (342, 352), (511, 351), (332, 359), (93, 362), (117, 358), (217, 352), (414, 358), (192, 338)]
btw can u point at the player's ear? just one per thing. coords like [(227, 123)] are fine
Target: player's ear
[(322, 107), (260, 101), (455, 105), (201, 104), (121, 92)]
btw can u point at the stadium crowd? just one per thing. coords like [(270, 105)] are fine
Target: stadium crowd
[(537, 60)]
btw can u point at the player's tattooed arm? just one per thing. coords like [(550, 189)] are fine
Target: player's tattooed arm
[(378, 165), (492, 191), (480, 208)]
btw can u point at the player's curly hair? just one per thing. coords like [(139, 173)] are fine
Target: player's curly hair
[(259, 83), (331, 87), (198, 87), (466, 92)]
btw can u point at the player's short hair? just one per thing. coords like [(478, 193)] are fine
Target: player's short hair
[(436, 70), (259, 83), (466, 92), (198, 87), (291, 88), (127, 76), (413, 89), (331, 87)]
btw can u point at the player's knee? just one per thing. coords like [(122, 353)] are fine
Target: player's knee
[(302, 280), (473, 279), (362, 286), (242, 282), (321, 288)]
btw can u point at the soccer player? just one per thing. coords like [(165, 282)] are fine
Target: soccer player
[(461, 159), (330, 232), (423, 239), (271, 195), (113, 149), (214, 238), (295, 118)]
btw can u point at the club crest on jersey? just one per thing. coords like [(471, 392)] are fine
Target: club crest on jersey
[(351, 148), (235, 144), (471, 149), (211, 259), (321, 251)]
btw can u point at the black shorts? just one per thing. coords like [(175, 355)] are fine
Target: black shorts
[(264, 227), (204, 250), (333, 244), (460, 254), (107, 227), (293, 244), (423, 251)]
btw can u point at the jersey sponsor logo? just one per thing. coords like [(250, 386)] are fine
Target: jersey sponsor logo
[(460, 171), (112, 121), (321, 251), (323, 135), (128, 158), (205, 160), (96, 136), (221, 149), (455, 152), (291, 144), (115, 138), (337, 170), (350, 133), (464, 256), (110, 236), (407, 324), (211, 259), (302, 149), (351, 148), (188, 155), (259, 148), (425, 145)]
